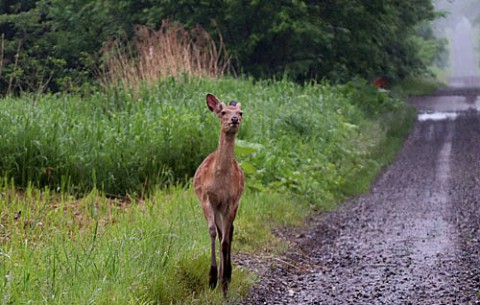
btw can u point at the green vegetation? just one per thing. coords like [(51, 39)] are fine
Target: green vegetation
[(122, 144), (58, 45), (415, 86), (59, 250), (300, 146), (104, 122)]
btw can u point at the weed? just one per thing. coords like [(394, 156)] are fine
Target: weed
[(65, 250), (170, 52)]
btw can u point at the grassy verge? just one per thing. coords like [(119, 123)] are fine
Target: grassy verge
[(56, 249), (301, 147)]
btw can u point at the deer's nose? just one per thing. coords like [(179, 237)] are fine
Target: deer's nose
[(235, 120)]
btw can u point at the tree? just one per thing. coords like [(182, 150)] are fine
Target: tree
[(56, 44), (26, 46)]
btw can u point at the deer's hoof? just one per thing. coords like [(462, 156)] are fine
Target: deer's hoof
[(213, 277)]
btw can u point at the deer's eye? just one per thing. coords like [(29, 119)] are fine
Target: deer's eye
[(241, 113), (223, 112)]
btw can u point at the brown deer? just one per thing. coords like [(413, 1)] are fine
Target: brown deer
[(219, 184)]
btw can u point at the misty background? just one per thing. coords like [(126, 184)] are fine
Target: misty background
[(460, 25)]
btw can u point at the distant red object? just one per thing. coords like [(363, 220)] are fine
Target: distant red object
[(380, 83)]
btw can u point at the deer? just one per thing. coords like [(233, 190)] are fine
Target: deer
[(219, 184)]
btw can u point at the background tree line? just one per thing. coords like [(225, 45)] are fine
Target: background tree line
[(56, 45)]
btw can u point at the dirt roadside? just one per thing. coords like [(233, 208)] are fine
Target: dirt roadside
[(414, 239)]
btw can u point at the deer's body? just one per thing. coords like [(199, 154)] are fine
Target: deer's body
[(219, 184)]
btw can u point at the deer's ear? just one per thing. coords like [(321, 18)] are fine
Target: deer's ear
[(213, 104)]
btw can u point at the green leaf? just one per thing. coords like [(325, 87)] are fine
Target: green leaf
[(245, 148), (248, 168)]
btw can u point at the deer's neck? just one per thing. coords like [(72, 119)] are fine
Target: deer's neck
[(225, 154)]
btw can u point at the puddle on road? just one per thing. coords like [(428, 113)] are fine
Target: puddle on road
[(445, 104), (437, 116), (440, 108)]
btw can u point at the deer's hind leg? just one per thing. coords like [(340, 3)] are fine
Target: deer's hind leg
[(225, 261)]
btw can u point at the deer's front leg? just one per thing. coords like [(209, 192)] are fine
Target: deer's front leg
[(213, 265)]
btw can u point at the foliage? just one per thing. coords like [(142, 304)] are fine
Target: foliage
[(416, 86), (56, 249), (122, 143), (317, 142), (55, 45)]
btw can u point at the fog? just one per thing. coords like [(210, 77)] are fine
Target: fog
[(456, 10), (463, 53), (460, 26)]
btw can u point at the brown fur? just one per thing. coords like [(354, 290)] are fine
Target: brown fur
[(219, 184)]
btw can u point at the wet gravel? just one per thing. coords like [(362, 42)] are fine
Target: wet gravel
[(414, 239)]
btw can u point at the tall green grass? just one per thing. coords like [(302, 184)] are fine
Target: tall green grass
[(306, 139)]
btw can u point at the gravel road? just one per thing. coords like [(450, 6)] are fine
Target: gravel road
[(414, 239)]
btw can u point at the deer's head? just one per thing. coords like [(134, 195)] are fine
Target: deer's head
[(230, 116)]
